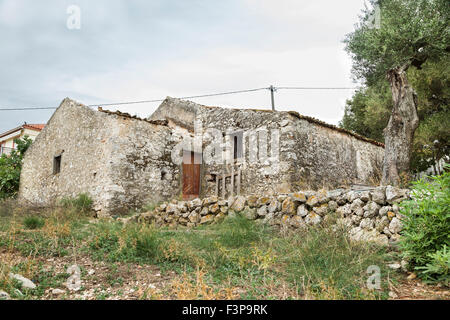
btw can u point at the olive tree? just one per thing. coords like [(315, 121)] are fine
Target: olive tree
[(407, 34)]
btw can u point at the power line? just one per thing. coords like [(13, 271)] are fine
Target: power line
[(271, 88), (30, 108), (316, 88), (189, 97)]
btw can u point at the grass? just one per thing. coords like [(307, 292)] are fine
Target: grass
[(33, 222), (82, 203), (237, 258)]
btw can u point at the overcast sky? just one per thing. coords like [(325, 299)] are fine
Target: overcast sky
[(139, 50)]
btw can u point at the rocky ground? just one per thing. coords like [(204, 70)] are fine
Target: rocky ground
[(99, 280), (124, 281)]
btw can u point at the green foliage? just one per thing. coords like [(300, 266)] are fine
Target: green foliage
[(367, 113), (334, 266), (33, 222), (115, 242), (426, 225), (250, 253), (82, 203), (10, 167), (239, 231), (432, 138), (439, 266), (410, 32)]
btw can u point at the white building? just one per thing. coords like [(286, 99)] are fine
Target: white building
[(7, 138)]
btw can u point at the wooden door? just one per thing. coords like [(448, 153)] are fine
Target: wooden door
[(191, 175)]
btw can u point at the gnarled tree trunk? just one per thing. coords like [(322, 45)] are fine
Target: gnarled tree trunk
[(399, 132)]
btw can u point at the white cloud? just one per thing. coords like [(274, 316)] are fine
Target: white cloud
[(232, 68), (139, 51)]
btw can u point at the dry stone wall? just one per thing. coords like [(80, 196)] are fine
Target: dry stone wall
[(370, 215)]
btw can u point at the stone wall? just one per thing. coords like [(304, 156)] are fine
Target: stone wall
[(327, 158), (371, 215), (260, 175), (124, 162), (311, 154), (121, 161)]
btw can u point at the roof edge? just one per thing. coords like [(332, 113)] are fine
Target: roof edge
[(333, 127), (129, 116)]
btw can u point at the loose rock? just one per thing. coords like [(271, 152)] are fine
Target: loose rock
[(26, 283)]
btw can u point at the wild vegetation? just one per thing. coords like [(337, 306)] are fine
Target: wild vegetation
[(393, 41), (236, 259), (368, 111), (426, 234), (10, 167)]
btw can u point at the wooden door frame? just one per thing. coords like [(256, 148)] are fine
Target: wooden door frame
[(193, 156)]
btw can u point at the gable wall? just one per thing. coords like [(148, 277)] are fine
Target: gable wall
[(117, 160)]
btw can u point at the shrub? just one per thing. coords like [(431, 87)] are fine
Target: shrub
[(439, 267), (82, 203), (426, 225), (10, 168), (33, 222)]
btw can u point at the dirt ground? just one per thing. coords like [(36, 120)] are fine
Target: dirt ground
[(99, 280), (120, 281)]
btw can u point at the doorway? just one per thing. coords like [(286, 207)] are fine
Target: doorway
[(191, 174)]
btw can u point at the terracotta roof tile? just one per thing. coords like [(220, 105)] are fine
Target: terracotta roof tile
[(35, 126)]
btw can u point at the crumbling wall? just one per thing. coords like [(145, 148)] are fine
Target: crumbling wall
[(265, 165), (141, 168), (116, 159), (311, 153), (327, 158), (80, 135)]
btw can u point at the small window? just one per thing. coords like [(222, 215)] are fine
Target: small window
[(57, 164), (237, 145)]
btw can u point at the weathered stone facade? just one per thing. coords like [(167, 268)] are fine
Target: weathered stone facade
[(124, 162), (121, 161), (368, 215), (290, 151)]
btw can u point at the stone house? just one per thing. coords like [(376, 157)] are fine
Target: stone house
[(271, 152), (186, 150), (121, 161)]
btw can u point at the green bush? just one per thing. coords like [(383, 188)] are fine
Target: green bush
[(439, 267), (426, 226), (33, 222), (10, 168), (82, 203)]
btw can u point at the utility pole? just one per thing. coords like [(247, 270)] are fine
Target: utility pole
[(272, 90)]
